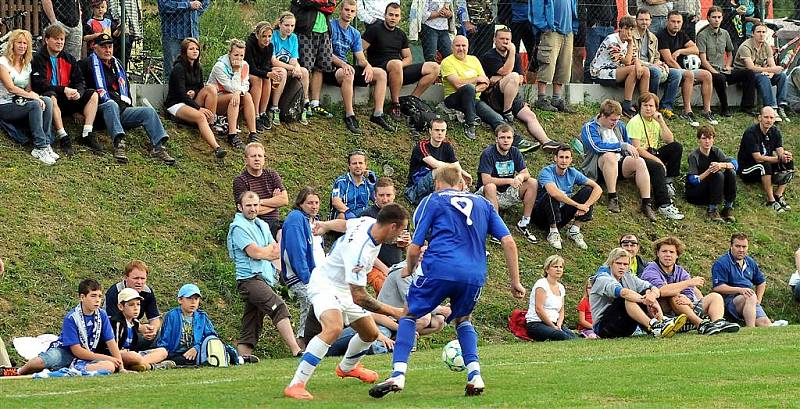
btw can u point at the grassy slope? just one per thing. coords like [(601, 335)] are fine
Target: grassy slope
[(754, 368)]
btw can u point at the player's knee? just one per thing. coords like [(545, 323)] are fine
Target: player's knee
[(331, 332), (369, 335)]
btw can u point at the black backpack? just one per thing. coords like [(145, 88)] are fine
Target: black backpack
[(419, 113), (291, 102)]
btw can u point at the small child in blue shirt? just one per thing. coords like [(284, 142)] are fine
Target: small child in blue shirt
[(185, 327), (84, 328)]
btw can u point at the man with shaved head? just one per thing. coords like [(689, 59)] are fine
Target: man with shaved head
[(464, 80)]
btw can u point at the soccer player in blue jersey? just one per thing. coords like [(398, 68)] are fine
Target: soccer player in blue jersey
[(455, 224)]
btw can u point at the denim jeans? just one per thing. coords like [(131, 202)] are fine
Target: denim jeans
[(172, 49), (434, 40), (764, 85), (673, 86), (594, 37), (421, 188), (39, 122), (132, 117), (658, 24)]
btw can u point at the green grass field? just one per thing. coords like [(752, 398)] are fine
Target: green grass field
[(750, 369)]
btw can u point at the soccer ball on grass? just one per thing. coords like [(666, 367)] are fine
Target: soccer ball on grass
[(451, 356)]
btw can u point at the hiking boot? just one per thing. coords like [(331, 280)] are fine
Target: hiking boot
[(252, 137), (91, 142), (220, 153), (320, 112), (715, 217), (613, 205), (649, 213), (395, 113), (66, 146), (544, 105), (562, 106), (381, 121), (727, 215), (43, 155), (469, 132), (577, 237), (392, 384), (359, 372), (782, 114), (351, 123), (474, 386), (120, 152), (551, 146), (267, 121), (525, 145), (667, 113), (526, 232), (275, 113), (250, 359), (671, 212), (774, 205), (690, 119), (235, 142), (166, 364), (554, 238), (297, 391), (161, 154), (709, 116)]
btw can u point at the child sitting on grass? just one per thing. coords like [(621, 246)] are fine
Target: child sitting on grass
[(185, 327), (84, 327), (126, 332), (585, 314)]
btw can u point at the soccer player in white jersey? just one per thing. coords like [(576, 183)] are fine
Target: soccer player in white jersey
[(337, 292)]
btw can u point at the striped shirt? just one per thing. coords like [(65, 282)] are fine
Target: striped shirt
[(263, 185)]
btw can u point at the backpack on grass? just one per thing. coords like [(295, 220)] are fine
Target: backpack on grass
[(214, 352), (291, 102), (419, 113)]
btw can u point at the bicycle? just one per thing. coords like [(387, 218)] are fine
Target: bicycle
[(146, 69), (9, 22)]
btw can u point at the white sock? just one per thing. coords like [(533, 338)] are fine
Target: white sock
[(314, 102), (87, 129), (356, 349), (473, 368), (60, 133), (315, 351)]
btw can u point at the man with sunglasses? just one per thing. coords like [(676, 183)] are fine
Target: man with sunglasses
[(630, 243)]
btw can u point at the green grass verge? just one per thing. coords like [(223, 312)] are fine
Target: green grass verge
[(754, 368)]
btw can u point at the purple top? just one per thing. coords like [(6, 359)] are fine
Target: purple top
[(658, 278)]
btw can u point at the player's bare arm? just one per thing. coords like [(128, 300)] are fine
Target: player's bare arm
[(369, 303)]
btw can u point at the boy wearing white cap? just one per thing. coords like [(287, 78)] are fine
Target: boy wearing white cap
[(126, 332)]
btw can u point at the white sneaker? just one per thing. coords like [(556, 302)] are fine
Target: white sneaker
[(671, 212), (779, 323), (475, 386), (554, 239), (43, 156), (577, 237), (52, 153)]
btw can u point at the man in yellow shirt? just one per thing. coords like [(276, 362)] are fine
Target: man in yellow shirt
[(464, 80)]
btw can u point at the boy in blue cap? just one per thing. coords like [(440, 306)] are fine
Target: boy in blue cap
[(185, 327)]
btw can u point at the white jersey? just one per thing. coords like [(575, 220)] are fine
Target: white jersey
[(350, 260)]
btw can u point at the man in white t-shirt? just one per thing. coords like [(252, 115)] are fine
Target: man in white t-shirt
[(337, 291)]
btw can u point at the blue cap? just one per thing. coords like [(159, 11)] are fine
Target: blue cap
[(189, 290)]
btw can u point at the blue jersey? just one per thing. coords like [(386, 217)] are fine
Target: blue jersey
[(456, 223)]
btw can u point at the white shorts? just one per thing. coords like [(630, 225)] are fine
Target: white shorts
[(328, 297), (173, 110)]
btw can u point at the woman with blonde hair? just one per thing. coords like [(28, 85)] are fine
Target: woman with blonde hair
[(545, 318), (18, 102), (231, 77)]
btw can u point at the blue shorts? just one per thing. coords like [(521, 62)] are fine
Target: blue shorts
[(730, 309), (56, 358), (425, 294)]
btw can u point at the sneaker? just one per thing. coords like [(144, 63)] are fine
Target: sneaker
[(395, 113), (525, 145), (66, 145), (381, 121), (359, 372), (508, 116), (577, 237), (166, 364), (235, 142), (276, 116), (52, 153), (266, 120), (690, 119), (351, 123), (774, 205), (562, 106), (671, 212), (667, 113), (526, 232), (220, 125), (726, 113), (667, 327), (649, 213), (260, 126), (544, 105), (220, 153), (250, 359), (783, 203), (6, 371), (628, 113), (554, 238), (551, 146), (779, 323), (782, 114), (670, 190), (320, 112), (715, 217), (43, 156), (709, 116), (474, 386), (707, 328), (727, 215), (392, 384), (469, 132), (161, 154), (726, 326), (120, 152), (91, 142), (304, 114), (252, 137), (297, 391), (613, 205)]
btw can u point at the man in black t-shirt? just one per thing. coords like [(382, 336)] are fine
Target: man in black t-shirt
[(762, 159), (502, 65), (136, 278), (674, 45), (387, 48), (391, 253), (427, 155)]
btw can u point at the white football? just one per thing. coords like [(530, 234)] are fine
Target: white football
[(691, 62), (451, 356)]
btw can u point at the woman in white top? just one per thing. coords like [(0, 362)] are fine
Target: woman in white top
[(545, 318), (231, 77), (18, 102)]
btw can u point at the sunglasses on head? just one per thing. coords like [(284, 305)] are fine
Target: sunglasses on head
[(631, 242)]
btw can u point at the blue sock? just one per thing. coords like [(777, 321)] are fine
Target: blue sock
[(406, 333), (468, 338)]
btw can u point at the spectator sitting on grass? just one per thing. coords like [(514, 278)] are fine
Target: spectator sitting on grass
[(286, 50), (353, 191), (136, 273), (185, 328), (679, 293), (630, 243), (711, 177), (585, 313), (427, 155), (266, 81), (84, 328), (545, 318), (464, 81), (231, 77)]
